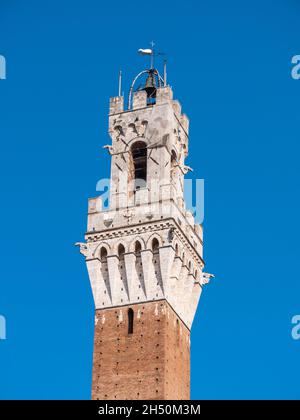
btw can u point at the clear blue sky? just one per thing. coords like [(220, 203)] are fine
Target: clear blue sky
[(229, 65)]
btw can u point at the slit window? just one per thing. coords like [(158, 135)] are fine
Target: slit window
[(139, 156), (155, 245), (130, 320)]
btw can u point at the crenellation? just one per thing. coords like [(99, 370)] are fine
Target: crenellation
[(184, 121), (94, 205), (116, 105), (139, 99), (177, 108), (164, 95)]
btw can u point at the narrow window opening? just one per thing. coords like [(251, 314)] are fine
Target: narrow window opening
[(121, 251), (137, 248), (139, 157), (130, 321), (103, 254), (155, 245)]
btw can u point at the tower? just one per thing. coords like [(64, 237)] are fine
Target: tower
[(144, 253)]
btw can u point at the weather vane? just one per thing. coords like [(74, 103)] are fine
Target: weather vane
[(152, 72)]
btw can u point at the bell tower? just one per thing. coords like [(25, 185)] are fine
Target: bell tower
[(144, 253)]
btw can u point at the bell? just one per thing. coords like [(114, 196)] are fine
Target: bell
[(150, 86)]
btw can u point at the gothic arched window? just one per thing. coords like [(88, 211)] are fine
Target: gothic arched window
[(103, 254), (130, 321), (137, 248), (155, 245), (139, 158), (121, 251)]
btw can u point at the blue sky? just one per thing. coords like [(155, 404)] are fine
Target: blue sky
[(229, 64)]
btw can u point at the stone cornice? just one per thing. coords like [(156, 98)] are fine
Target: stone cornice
[(136, 229)]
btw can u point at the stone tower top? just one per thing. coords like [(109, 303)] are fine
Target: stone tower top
[(146, 246)]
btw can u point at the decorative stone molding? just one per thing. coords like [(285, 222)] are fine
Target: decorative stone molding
[(168, 262)]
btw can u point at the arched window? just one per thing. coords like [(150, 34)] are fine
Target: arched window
[(137, 248), (139, 158), (103, 254), (121, 251), (130, 320), (155, 245), (176, 250)]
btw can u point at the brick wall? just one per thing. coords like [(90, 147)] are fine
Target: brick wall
[(151, 363)]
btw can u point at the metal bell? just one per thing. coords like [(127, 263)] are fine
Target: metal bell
[(150, 86)]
